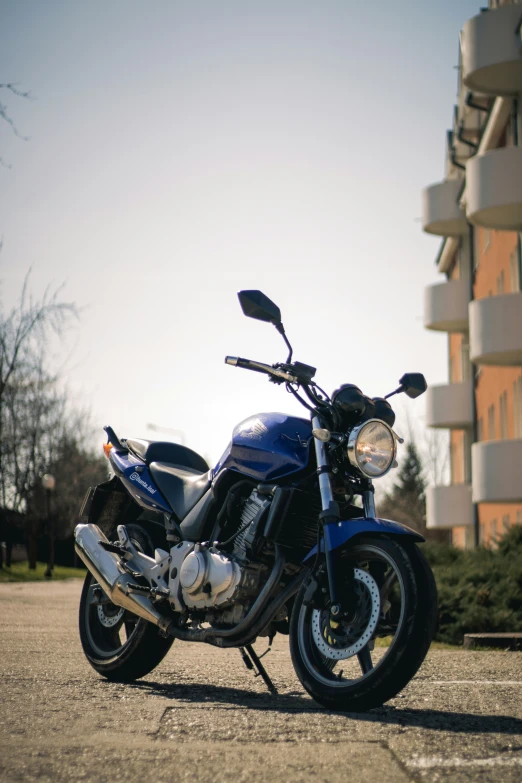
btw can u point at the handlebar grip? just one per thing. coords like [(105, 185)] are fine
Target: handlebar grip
[(248, 364)]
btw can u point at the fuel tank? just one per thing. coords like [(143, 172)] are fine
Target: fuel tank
[(268, 446)]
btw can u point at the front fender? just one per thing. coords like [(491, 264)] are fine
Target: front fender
[(338, 533)]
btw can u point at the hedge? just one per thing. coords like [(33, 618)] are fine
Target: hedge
[(480, 590)]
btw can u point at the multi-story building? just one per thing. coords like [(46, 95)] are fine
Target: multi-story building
[(477, 209)]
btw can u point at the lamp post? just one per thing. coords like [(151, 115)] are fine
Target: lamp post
[(49, 483)]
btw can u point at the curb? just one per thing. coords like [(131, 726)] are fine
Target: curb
[(500, 641)]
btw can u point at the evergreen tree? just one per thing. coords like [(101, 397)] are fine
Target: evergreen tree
[(406, 502)]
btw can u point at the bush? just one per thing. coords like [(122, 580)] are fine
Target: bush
[(480, 591)]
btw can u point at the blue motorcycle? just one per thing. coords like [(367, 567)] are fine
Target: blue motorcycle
[(280, 537)]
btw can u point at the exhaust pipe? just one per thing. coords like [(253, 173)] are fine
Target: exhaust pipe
[(105, 568)]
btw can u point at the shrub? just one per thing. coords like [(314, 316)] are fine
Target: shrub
[(480, 590)]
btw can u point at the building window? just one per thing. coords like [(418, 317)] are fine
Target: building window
[(518, 520), (503, 415), (482, 533), (453, 464), (491, 422), (517, 406), (480, 429), (452, 371), (514, 271), (466, 457), (500, 283), (487, 239), (465, 362), (505, 522), (476, 249)]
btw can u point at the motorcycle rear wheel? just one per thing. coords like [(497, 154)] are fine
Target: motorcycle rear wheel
[(336, 661), (118, 644)]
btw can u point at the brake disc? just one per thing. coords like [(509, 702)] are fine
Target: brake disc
[(337, 640), (109, 615)]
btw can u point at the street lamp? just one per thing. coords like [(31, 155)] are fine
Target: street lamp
[(49, 483)]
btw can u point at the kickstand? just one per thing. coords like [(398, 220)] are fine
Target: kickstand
[(252, 661)]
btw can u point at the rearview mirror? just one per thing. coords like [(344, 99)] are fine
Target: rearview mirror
[(413, 384), (256, 305)]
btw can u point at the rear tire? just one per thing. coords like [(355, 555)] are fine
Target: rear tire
[(119, 645), (398, 598)]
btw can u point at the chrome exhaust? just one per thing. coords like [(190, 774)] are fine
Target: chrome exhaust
[(114, 581)]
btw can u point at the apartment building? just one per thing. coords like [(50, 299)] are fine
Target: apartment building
[(477, 210)]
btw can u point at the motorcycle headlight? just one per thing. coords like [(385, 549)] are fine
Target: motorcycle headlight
[(372, 448)]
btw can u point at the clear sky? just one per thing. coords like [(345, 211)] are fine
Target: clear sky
[(181, 150)]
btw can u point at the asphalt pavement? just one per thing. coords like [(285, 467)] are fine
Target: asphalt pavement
[(202, 716)]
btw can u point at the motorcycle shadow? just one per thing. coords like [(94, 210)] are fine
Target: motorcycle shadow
[(295, 702), (197, 693)]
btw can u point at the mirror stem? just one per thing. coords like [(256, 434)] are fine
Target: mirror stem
[(281, 329), (397, 391)]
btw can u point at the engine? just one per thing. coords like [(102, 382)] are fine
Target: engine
[(204, 577)]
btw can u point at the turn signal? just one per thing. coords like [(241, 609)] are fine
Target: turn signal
[(323, 435), (107, 449)]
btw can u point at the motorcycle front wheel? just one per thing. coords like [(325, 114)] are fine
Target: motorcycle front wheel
[(118, 644), (355, 664)]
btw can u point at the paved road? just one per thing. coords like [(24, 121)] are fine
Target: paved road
[(201, 716)]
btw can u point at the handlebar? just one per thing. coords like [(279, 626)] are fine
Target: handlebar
[(250, 364)]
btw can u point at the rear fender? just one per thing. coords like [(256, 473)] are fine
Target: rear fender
[(338, 533), (137, 480)]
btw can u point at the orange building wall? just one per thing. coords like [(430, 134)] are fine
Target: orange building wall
[(489, 385), (493, 250), (457, 445), (461, 537), (491, 382), (495, 519)]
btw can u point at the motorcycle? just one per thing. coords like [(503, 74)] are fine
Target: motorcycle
[(270, 541)]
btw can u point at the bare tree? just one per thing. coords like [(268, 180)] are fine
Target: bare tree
[(12, 89), (30, 406)]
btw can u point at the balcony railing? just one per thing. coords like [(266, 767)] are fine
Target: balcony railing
[(441, 213), (491, 55), (446, 306), (450, 406), (495, 330), (496, 468), (448, 507), (494, 189)]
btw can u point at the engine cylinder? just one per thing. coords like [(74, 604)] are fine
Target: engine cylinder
[(208, 578)]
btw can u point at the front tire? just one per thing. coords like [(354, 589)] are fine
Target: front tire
[(335, 660), (118, 644)]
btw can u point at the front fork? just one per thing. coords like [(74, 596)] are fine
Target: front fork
[(330, 515)]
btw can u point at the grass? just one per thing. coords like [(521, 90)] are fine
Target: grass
[(386, 640), (20, 572)]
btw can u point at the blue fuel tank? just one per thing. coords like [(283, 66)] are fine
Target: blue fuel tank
[(268, 446)]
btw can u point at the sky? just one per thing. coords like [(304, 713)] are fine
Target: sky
[(182, 150)]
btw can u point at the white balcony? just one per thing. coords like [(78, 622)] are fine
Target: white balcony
[(446, 306), (491, 54), (450, 406), (496, 467), (448, 507), (441, 213), (495, 330), (494, 189)]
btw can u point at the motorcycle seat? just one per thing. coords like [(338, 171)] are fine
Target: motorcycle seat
[(164, 451), (180, 486)]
